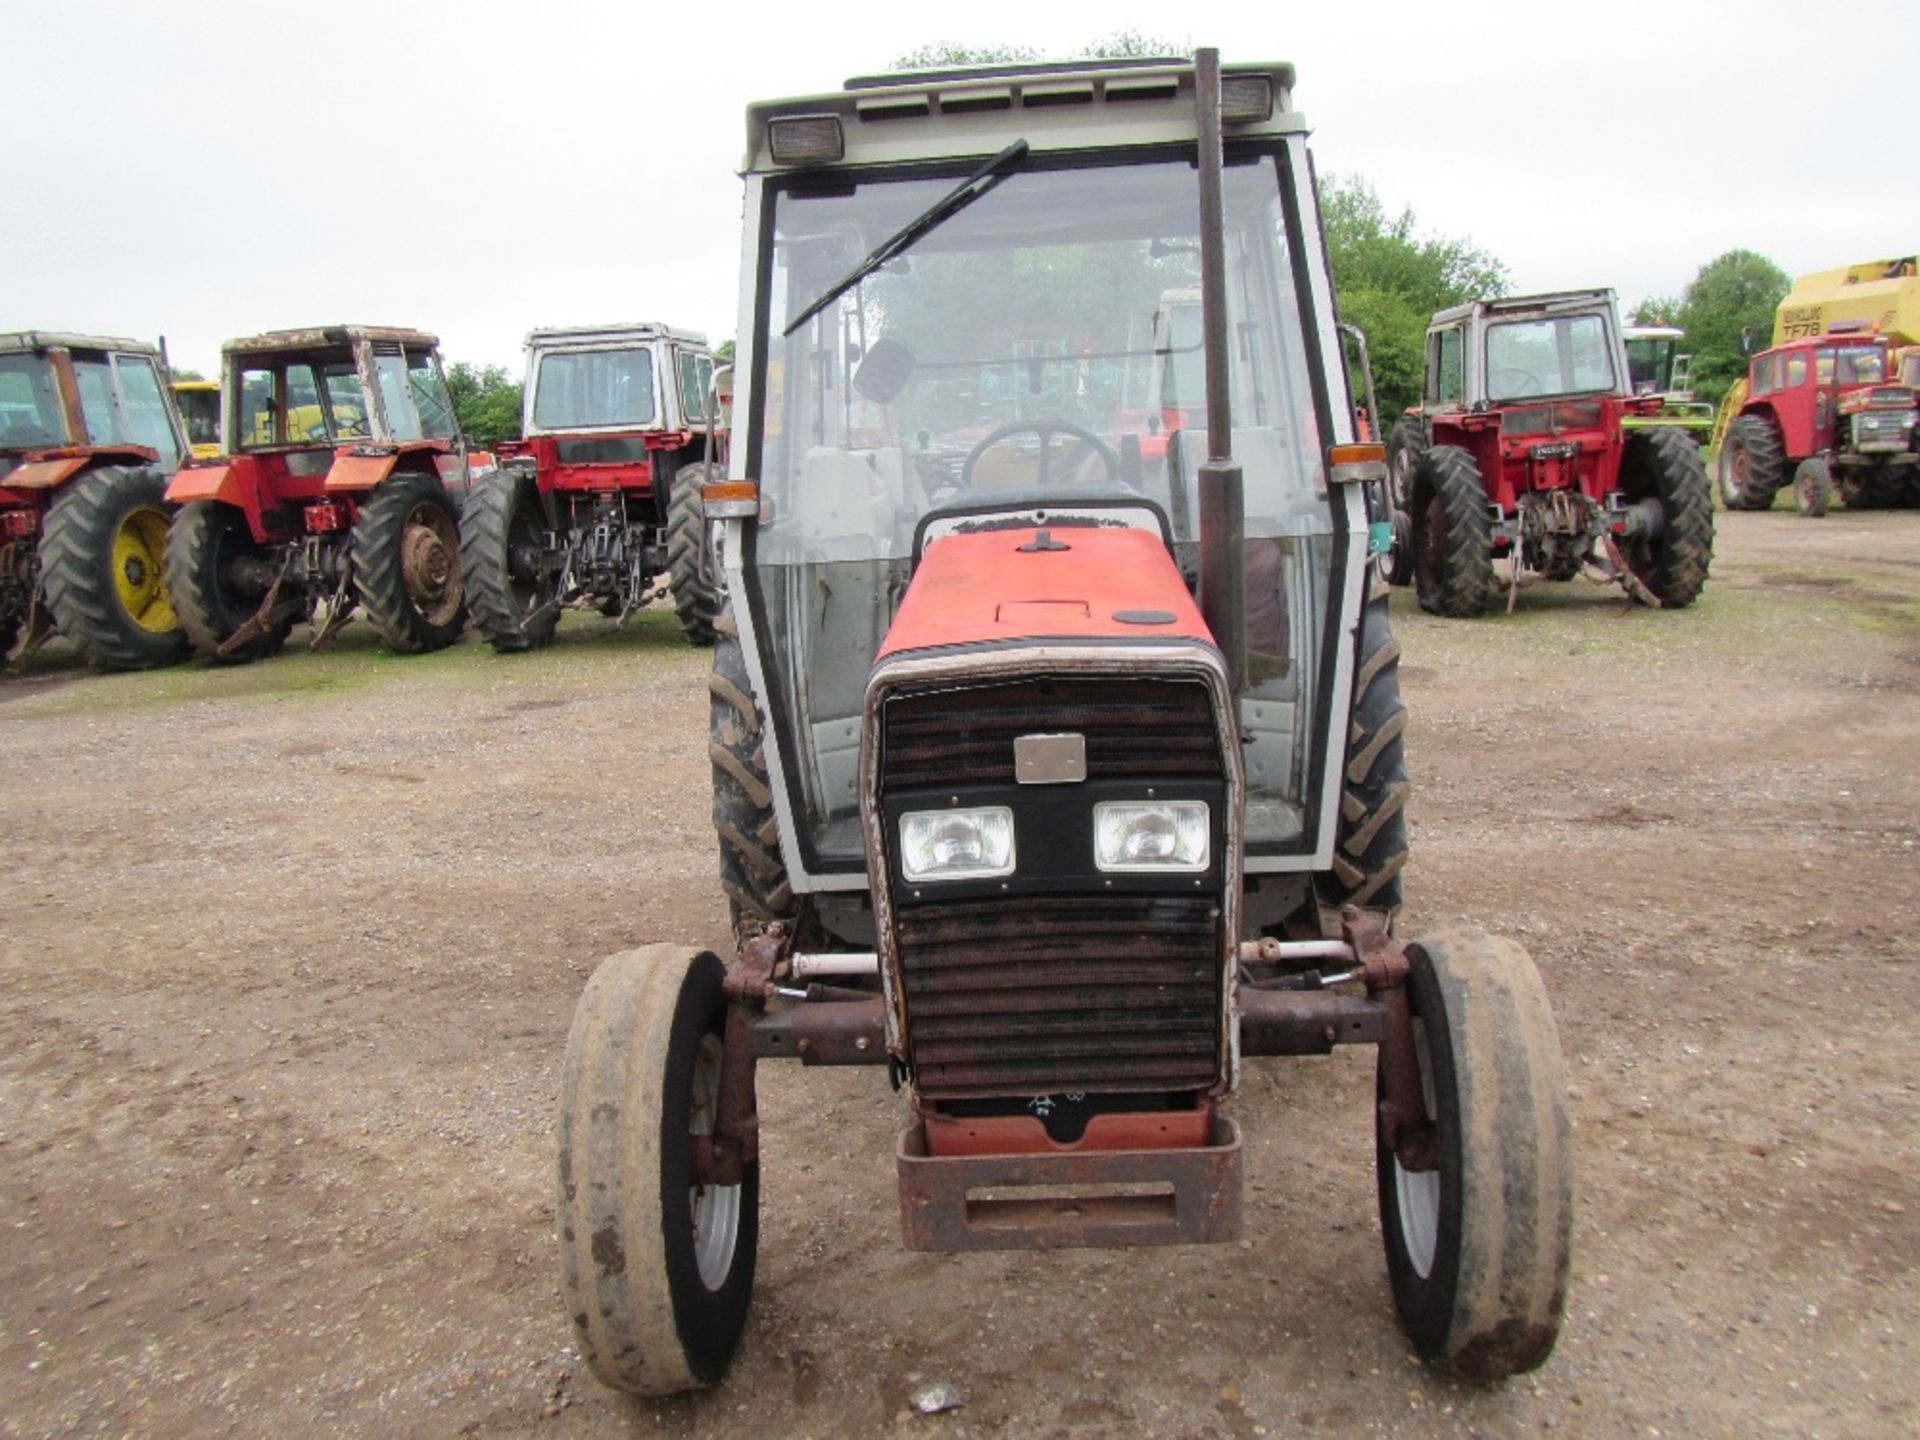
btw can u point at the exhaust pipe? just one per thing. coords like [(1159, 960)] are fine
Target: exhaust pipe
[(1222, 495)]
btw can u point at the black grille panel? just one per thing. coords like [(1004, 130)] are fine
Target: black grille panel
[(1086, 992), (1134, 729)]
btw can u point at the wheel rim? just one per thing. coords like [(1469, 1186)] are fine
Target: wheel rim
[(139, 571), (716, 1208), (1417, 1192), (430, 564)]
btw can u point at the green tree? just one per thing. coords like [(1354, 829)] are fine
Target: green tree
[(1130, 43), (487, 400), (1390, 279), (1655, 310), (1727, 312)]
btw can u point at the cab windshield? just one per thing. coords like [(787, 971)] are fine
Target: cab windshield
[(30, 414), (1040, 347)]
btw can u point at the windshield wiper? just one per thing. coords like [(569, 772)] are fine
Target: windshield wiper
[(903, 239)]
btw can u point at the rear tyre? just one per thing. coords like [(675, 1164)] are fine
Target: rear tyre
[(752, 873), (1406, 444), (1812, 487), (1371, 850), (1752, 465), (657, 1273), (103, 566), (509, 595), (1663, 464), (406, 564), (206, 538), (1478, 1249), (695, 600), (1452, 537)]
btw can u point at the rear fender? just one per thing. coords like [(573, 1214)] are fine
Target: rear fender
[(357, 470), (46, 474), (205, 482)]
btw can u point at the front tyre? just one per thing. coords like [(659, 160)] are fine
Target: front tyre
[(696, 600), (656, 1272), (1812, 487), (510, 593), (1478, 1248), (103, 557), (406, 563)]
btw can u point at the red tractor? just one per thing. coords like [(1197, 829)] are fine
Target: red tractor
[(1520, 451), (1056, 775), (340, 488), (1825, 412), (603, 493), (88, 436)]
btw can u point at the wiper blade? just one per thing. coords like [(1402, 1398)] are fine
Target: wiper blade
[(903, 239)]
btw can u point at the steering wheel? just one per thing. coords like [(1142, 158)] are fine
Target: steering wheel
[(1523, 382), (1045, 429)]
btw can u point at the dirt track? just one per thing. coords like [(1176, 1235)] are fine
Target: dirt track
[(287, 956)]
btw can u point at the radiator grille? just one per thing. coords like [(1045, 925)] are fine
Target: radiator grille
[(1134, 729), (1094, 992)]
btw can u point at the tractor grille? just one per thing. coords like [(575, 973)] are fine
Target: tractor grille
[(1095, 992), (1031, 994), (1134, 729), (1882, 429)]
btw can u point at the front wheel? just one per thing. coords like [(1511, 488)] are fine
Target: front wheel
[(406, 563), (103, 567), (1479, 1247), (657, 1272), (1812, 487)]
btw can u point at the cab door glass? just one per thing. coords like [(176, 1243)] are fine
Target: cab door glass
[(148, 421), (346, 400), (1449, 373), (1796, 369), (306, 418), (696, 374), (396, 396), (256, 409), (430, 399), (94, 380)]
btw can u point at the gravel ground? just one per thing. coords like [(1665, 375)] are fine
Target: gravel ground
[(287, 956)]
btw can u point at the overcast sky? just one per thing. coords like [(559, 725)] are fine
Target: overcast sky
[(209, 168)]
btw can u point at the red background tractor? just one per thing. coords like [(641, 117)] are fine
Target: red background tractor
[(1826, 407)]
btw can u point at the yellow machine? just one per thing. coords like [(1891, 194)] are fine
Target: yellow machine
[(1879, 296), (199, 402)]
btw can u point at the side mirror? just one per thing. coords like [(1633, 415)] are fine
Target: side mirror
[(884, 371)]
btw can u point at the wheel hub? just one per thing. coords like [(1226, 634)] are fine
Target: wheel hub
[(429, 564), (138, 580)]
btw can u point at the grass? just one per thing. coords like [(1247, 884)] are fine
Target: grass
[(56, 681)]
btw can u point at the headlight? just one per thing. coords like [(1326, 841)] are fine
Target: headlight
[(1150, 835), (956, 844)]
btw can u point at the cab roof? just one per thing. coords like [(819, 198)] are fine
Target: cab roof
[(554, 335), (36, 340), (1551, 302), (924, 115), (321, 337)]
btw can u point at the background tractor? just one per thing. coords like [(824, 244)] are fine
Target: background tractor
[(1037, 754), (340, 489), (1657, 366), (603, 493), (88, 437), (1830, 428), (1828, 414), (199, 402), (1521, 450)]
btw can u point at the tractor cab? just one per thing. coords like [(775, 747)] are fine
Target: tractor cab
[(88, 436), (199, 402), (339, 490), (1658, 367)]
